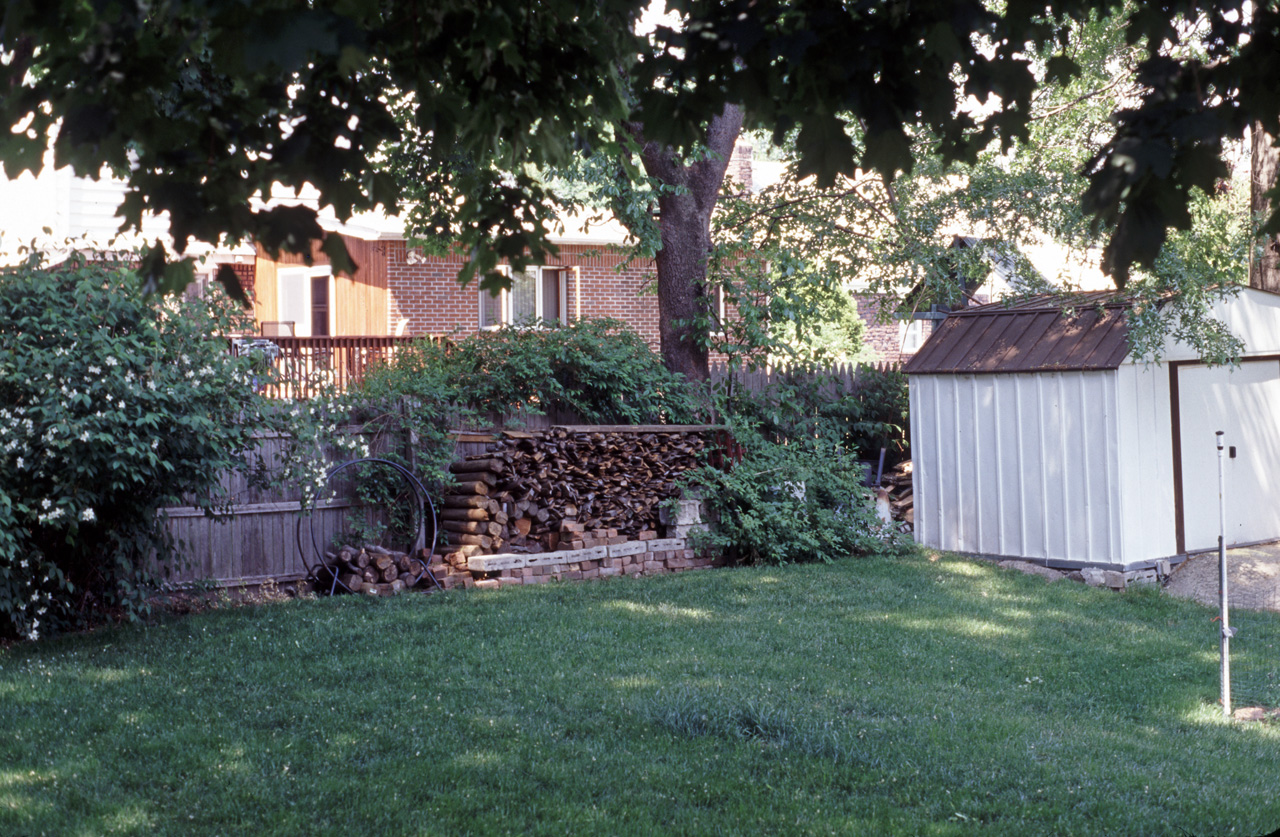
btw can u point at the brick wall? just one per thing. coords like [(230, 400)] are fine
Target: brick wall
[(425, 291), (884, 338)]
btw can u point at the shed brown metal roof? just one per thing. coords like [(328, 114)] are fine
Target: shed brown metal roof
[(1037, 334)]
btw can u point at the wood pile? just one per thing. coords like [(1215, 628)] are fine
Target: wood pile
[(565, 488), (901, 498), (371, 569)]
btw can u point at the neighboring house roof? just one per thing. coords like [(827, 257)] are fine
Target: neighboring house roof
[(1033, 335), (1004, 270)]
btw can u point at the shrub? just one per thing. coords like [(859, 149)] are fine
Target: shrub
[(112, 405), (810, 404), (791, 503), (600, 369)]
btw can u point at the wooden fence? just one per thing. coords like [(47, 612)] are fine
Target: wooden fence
[(258, 539), (305, 366), (842, 377)]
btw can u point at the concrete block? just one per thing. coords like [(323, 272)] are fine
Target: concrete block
[(1093, 577), (548, 559), (494, 563), (630, 548), (595, 553), (666, 544), (685, 513), (686, 531)]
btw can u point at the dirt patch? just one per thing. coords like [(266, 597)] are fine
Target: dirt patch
[(1253, 578)]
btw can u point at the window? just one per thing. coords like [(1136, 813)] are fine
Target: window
[(537, 293), (305, 298), (910, 336)]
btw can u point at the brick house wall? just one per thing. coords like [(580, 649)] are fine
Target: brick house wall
[(424, 290), (885, 338)]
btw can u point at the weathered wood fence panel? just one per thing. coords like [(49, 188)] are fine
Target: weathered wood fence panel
[(258, 539), (840, 378)]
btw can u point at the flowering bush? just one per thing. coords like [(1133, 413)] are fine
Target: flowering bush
[(112, 405)]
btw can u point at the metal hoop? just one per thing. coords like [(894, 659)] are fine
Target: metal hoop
[(424, 504)]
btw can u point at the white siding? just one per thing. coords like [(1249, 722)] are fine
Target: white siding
[(1243, 402), (1144, 460), (1018, 464)]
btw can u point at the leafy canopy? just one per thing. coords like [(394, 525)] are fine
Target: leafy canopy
[(202, 105)]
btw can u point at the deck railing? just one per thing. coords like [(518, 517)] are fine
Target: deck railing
[(306, 366)]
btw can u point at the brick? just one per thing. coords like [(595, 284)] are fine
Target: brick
[(633, 569), (647, 535), (652, 566), (620, 550), (591, 573), (488, 584)]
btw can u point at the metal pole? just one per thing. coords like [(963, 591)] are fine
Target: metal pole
[(1225, 641)]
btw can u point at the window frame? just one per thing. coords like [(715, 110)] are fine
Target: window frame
[(302, 328), (506, 316)]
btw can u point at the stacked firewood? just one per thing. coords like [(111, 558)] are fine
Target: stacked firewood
[(901, 498), (565, 488), (372, 569)]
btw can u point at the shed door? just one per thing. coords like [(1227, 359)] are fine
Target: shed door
[(1244, 403)]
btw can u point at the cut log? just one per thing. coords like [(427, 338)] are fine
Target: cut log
[(470, 527), (462, 501), (465, 514), (470, 487), (473, 465)]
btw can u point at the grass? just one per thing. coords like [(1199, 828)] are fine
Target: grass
[(869, 696)]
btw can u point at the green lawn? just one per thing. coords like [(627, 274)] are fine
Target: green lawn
[(878, 695)]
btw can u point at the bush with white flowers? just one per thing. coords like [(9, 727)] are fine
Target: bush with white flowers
[(112, 405)]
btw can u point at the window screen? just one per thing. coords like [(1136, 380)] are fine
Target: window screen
[(552, 280), (524, 297)]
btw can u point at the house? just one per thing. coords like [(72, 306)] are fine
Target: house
[(398, 290), (900, 336), (1037, 435)]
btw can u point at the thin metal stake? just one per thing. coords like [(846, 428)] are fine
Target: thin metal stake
[(1225, 642)]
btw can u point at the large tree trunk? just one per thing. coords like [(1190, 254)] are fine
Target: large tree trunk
[(1264, 269), (684, 222)]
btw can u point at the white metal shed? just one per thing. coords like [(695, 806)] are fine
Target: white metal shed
[(1035, 435)]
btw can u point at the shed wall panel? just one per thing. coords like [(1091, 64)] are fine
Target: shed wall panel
[(1144, 463), (1018, 465)]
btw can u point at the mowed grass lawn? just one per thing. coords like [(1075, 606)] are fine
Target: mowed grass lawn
[(903, 695)]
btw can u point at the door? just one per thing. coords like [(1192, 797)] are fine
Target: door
[(1244, 403)]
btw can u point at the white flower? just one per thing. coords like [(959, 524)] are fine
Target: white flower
[(110, 361), (88, 516), (46, 503), (84, 437), (23, 563), (122, 403), (21, 463), (94, 370)]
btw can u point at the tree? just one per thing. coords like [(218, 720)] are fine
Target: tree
[(201, 105), (684, 212)]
